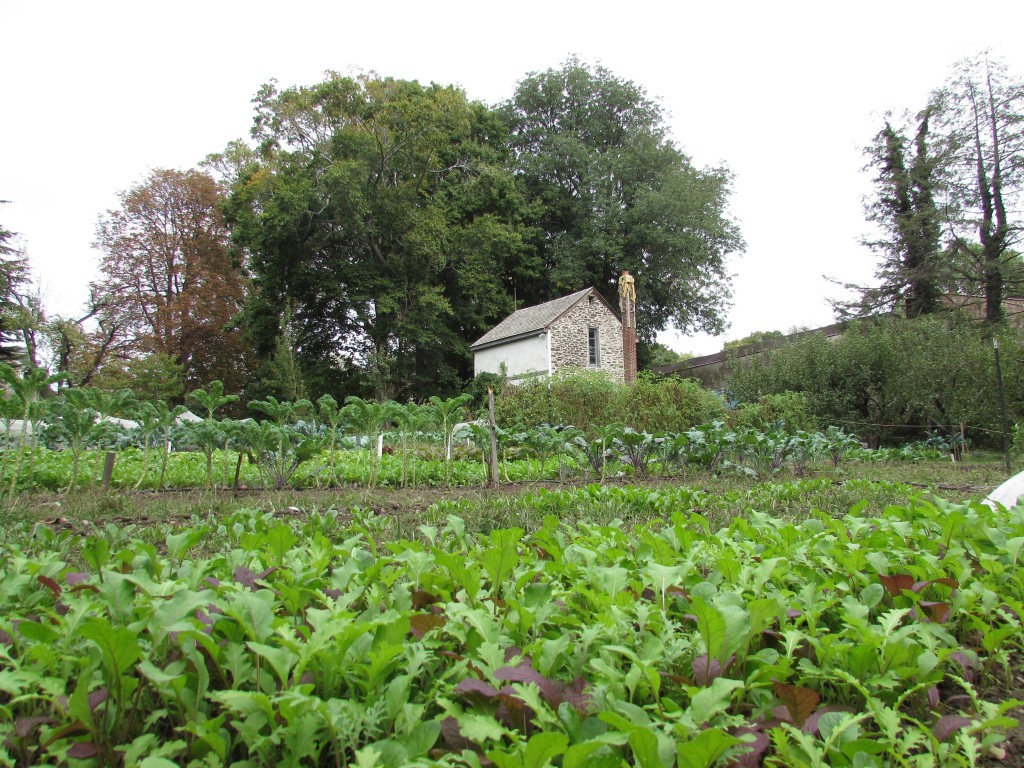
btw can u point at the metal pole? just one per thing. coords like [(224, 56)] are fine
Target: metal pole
[(1004, 420), (495, 479)]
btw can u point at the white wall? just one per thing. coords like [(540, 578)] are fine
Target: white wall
[(528, 355)]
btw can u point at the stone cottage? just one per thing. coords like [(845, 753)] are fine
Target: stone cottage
[(579, 331)]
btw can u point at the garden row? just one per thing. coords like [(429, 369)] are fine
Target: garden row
[(860, 641), (274, 455)]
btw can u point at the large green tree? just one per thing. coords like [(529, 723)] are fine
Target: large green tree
[(609, 190), (911, 268), (382, 212)]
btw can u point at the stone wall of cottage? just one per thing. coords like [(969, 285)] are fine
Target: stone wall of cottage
[(570, 339)]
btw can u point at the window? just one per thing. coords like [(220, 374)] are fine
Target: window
[(594, 346)]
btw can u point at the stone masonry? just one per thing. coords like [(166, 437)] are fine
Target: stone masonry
[(570, 341)]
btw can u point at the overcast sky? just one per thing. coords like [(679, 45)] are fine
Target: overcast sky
[(785, 95)]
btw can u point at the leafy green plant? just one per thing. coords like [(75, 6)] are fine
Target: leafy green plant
[(637, 449), (827, 640), (445, 414), (156, 421), (24, 403), (206, 436), (211, 399), (278, 451)]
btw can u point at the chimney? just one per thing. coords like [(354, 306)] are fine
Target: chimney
[(627, 307)]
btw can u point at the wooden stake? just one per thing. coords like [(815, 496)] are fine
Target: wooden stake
[(238, 472), (108, 469)]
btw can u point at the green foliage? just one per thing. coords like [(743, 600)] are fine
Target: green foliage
[(445, 414), (426, 218), (788, 408), (911, 271), (414, 233), (655, 354), (302, 445), (669, 405), (944, 201), (889, 378), (758, 339), (477, 389), (977, 114), (157, 376), (211, 399), (610, 191), (277, 450), (282, 374), (590, 400), (14, 277), (854, 640)]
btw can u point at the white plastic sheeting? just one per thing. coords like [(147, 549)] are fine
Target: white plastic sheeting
[(1008, 493)]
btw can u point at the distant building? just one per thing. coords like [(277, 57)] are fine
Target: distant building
[(578, 331), (713, 370), (974, 307)]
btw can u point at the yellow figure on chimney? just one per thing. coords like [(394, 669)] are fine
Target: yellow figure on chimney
[(627, 286)]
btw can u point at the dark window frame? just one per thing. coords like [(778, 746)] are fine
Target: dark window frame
[(594, 346)]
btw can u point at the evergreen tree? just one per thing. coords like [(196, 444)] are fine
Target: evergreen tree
[(905, 212), (14, 276)]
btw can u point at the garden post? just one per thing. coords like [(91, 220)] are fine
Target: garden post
[(108, 469)]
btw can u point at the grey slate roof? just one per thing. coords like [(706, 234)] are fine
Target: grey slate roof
[(528, 320)]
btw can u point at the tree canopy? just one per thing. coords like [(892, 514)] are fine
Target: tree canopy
[(399, 222), (911, 270), (168, 285), (609, 191), (384, 212), (14, 277)]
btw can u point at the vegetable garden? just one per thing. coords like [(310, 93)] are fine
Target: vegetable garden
[(711, 597)]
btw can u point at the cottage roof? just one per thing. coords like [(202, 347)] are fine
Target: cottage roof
[(529, 320)]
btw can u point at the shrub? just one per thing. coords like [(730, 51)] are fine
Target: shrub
[(589, 400), (477, 388), (891, 379), (524, 405), (790, 408), (669, 405), (586, 399)]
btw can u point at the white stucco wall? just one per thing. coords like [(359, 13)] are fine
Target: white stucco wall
[(529, 355)]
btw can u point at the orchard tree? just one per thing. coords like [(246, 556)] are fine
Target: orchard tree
[(168, 284), (610, 191), (382, 213)]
